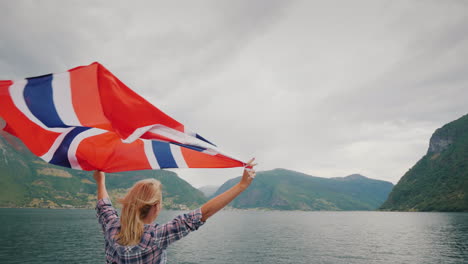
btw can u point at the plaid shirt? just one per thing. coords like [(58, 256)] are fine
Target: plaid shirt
[(156, 238)]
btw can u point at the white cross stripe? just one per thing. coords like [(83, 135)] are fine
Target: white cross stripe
[(178, 157), (50, 153), (150, 154), (62, 96), (76, 142)]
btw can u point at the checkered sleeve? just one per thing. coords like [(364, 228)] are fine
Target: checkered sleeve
[(178, 228), (105, 212)]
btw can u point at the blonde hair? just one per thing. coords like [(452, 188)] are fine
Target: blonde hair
[(136, 206)]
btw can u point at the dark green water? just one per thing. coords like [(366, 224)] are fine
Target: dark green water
[(73, 236)]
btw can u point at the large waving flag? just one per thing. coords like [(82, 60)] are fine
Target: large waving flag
[(87, 119)]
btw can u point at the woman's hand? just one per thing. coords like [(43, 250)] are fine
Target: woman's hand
[(217, 203), (248, 175)]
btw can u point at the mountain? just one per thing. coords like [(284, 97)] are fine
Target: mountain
[(282, 189), (208, 190), (439, 180), (27, 181)]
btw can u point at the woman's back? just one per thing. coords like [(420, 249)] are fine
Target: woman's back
[(154, 241)]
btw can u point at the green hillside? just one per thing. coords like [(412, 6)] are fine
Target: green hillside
[(282, 189), (439, 181), (27, 181)]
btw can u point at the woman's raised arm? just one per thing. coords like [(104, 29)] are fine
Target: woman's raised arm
[(100, 179), (220, 201)]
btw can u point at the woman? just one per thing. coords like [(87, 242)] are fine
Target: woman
[(134, 238)]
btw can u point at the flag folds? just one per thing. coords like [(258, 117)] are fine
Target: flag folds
[(87, 119)]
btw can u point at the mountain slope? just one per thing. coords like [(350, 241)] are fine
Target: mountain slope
[(289, 190), (439, 181), (27, 181)]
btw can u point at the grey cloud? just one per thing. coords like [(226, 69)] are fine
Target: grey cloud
[(418, 87)]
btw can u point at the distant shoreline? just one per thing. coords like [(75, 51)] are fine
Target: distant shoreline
[(246, 210)]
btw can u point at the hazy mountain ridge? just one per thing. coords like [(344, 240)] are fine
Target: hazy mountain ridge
[(30, 182), (439, 180), (208, 190), (27, 181), (282, 189)]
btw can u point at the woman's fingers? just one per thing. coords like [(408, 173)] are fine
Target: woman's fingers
[(250, 164), (249, 168)]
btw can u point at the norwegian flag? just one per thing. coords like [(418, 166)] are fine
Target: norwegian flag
[(87, 119)]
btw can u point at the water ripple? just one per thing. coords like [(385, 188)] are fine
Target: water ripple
[(73, 236)]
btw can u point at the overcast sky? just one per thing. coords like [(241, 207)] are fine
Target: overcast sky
[(327, 88)]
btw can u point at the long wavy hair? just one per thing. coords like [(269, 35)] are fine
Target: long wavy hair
[(136, 206)]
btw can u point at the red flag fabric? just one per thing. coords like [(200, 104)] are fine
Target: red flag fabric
[(87, 119)]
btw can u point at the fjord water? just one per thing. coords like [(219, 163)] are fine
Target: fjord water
[(73, 236)]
